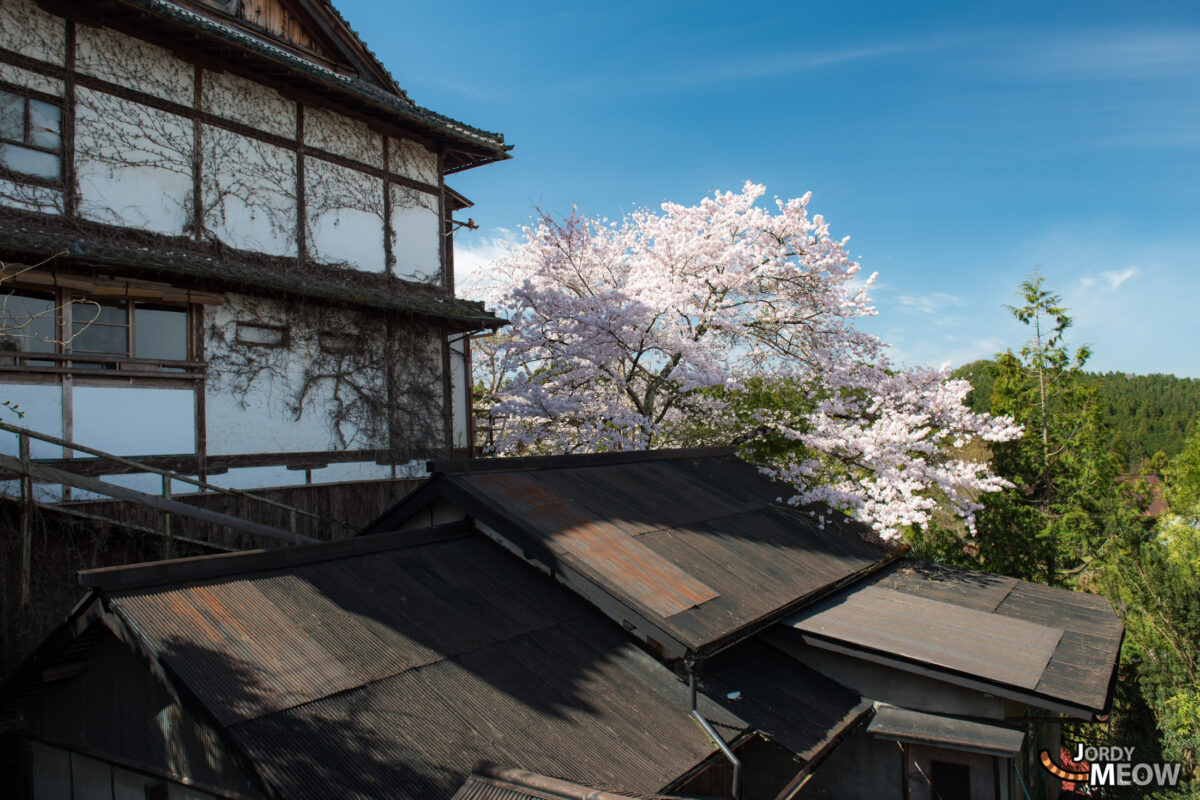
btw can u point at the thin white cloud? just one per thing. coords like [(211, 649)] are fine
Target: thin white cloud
[(757, 66), (933, 303), (1111, 55), (1116, 277), (1112, 278)]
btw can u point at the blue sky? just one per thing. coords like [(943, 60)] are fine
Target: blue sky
[(959, 145)]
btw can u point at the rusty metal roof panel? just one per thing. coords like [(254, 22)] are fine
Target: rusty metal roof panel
[(223, 635), (696, 544), (387, 669), (970, 623), (932, 632), (490, 781)]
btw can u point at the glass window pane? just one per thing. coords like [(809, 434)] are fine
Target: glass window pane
[(106, 312), (12, 116), (27, 323), (160, 333), (29, 162), (45, 124), (97, 338)]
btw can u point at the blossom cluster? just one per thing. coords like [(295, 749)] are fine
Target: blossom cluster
[(627, 335)]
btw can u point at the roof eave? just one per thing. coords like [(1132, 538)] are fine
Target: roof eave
[(1057, 705)]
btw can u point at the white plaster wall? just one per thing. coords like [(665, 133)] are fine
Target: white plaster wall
[(249, 192), (26, 28), (345, 215), (133, 63), (241, 100), (140, 422), (458, 391), (30, 80), (260, 420), (41, 410), (133, 163), (412, 160), (28, 197), (415, 222), (343, 136)]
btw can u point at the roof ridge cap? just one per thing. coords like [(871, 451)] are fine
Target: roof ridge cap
[(131, 577), (530, 463)]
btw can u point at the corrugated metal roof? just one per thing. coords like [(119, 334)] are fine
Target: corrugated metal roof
[(387, 668), (1050, 643), (795, 706), (490, 781), (693, 543)]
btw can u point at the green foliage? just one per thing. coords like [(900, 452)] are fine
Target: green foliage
[(1182, 480), (1148, 414), (1156, 584), (1067, 502), (1072, 518)]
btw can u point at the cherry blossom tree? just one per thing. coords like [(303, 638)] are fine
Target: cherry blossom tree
[(636, 334)]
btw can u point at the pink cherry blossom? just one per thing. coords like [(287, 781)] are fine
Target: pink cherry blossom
[(618, 327)]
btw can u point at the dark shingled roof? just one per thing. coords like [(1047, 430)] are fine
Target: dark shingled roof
[(385, 665), (185, 261), (1052, 647), (688, 547)]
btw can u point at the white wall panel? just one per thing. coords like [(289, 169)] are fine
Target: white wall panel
[(412, 160), (249, 192), (134, 163), (342, 136), (40, 408), (30, 80), (28, 197), (345, 215), (241, 100), (134, 64), (27, 29), (415, 223), (141, 422)]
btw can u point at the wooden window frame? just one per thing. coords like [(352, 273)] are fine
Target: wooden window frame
[(28, 96), (66, 361)]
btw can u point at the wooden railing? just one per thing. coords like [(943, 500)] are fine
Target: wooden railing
[(30, 471)]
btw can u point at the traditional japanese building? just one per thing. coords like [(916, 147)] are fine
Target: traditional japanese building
[(227, 233)]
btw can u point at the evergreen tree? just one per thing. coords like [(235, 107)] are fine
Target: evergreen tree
[(1066, 503)]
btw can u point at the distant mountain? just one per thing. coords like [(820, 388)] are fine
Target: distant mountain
[(1147, 413)]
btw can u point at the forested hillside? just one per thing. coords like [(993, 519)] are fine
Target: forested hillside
[(1147, 413)]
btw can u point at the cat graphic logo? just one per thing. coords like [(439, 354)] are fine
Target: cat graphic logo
[(1110, 766)]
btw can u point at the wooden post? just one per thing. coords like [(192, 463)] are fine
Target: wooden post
[(27, 510), (166, 517)]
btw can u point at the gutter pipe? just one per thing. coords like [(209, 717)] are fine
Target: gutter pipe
[(714, 737)]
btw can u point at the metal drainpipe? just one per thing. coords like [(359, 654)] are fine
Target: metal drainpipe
[(714, 737)]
